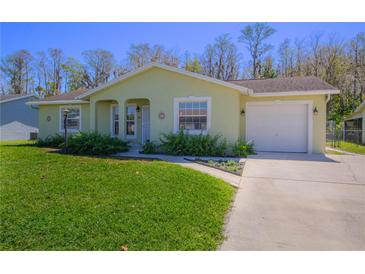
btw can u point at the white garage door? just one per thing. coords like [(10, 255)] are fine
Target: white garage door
[(278, 127)]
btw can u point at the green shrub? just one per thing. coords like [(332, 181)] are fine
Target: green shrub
[(243, 149), (92, 143), (54, 141), (85, 143), (149, 148), (195, 145)]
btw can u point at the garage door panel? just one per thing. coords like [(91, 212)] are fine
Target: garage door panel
[(278, 127)]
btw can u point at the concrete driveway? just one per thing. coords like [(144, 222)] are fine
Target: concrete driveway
[(299, 202)]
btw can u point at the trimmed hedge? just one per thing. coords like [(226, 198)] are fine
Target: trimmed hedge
[(54, 141), (86, 143)]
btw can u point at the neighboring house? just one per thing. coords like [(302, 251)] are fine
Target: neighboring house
[(17, 120), (355, 125), (277, 114)]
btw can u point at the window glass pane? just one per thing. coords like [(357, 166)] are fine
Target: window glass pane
[(131, 111), (130, 128), (203, 112), (196, 105), (116, 127), (193, 115)]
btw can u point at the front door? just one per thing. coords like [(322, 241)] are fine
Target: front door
[(145, 123)]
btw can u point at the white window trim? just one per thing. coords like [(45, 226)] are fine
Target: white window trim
[(112, 120), (178, 100), (131, 137), (61, 118), (291, 102)]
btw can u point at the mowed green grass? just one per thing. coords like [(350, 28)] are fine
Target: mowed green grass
[(50, 201), (349, 147)]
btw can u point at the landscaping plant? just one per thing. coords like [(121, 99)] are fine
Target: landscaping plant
[(243, 149), (92, 143), (149, 148), (194, 145), (86, 143), (54, 141)]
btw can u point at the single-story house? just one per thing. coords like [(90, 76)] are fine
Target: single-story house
[(355, 125), (17, 120), (281, 114)]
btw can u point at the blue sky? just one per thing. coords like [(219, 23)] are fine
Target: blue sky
[(74, 38)]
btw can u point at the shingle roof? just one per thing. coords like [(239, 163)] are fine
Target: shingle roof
[(11, 97), (66, 96), (298, 84), (305, 83)]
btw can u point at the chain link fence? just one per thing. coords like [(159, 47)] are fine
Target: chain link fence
[(335, 134)]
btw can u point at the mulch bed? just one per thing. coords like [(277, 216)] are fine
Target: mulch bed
[(230, 166)]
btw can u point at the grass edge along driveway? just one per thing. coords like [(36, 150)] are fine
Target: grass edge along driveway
[(50, 201)]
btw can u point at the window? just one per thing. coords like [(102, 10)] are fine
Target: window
[(73, 121), (192, 114), (115, 120), (131, 121)]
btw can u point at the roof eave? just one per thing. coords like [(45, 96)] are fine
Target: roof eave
[(128, 75), (17, 98), (57, 102), (295, 93)]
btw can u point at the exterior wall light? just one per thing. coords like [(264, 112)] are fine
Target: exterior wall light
[(315, 111), (138, 109), (242, 112)]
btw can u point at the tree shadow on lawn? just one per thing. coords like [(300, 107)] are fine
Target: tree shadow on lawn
[(114, 157), (18, 145)]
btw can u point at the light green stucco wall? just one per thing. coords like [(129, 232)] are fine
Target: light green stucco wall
[(160, 87), (319, 120), (48, 128)]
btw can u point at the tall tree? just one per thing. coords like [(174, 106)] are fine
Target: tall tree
[(17, 70), (286, 57), (208, 61), (299, 56), (41, 65), (254, 37), (74, 75), (267, 69), (99, 65), (56, 60), (142, 54), (220, 60), (316, 50), (193, 65), (357, 68)]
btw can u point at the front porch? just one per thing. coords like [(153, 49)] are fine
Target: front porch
[(128, 119)]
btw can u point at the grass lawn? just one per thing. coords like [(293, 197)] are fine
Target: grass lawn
[(350, 147), (333, 152), (50, 201)]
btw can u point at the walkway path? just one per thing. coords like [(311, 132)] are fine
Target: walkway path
[(232, 179)]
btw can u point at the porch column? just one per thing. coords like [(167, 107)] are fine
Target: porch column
[(92, 116), (121, 105)]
